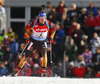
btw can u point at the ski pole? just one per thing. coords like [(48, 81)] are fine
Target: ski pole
[(51, 53), (24, 49)]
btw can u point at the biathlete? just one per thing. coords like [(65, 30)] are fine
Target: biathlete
[(36, 36)]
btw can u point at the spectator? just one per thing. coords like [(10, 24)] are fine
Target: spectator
[(77, 36), (96, 56), (22, 45), (11, 33), (73, 11), (3, 69), (97, 74), (36, 58), (9, 67), (57, 44), (72, 28), (53, 16), (87, 56), (13, 47), (97, 22), (92, 8), (59, 35), (79, 72), (61, 7), (48, 7), (63, 16), (1, 53), (95, 42), (2, 34), (96, 67), (89, 20), (90, 73), (71, 50), (90, 23), (2, 16), (7, 56), (5, 42), (66, 62), (64, 19), (36, 70), (59, 69), (79, 61), (65, 12), (84, 42), (70, 70), (83, 16)]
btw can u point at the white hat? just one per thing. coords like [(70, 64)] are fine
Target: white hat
[(71, 63), (36, 65), (6, 36)]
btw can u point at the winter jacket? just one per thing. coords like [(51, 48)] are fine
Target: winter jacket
[(29, 29), (70, 73), (79, 72), (97, 20), (60, 9), (60, 33), (53, 16), (71, 30), (94, 10), (3, 71), (89, 74), (97, 75), (87, 57), (72, 52), (96, 58), (11, 34), (13, 47), (95, 42), (78, 39), (7, 56), (2, 38), (77, 64), (90, 22)]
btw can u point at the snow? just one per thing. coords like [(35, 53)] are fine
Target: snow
[(46, 80)]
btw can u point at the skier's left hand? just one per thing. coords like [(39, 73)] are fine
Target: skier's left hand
[(51, 40), (27, 40)]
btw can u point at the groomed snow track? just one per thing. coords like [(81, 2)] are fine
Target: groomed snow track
[(46, 80)]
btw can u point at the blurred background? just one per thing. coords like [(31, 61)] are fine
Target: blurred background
[(76, 46)]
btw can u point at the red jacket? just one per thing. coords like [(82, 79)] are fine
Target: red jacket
[(29, 27), (97, 75), (90, 21), (71, 30), (79, 72), (97, 20)]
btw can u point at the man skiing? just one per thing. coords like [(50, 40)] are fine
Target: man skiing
[(36, 38)]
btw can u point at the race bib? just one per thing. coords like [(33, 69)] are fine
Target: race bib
[(39, 35)]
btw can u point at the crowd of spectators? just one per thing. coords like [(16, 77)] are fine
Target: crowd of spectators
[(78, 34), (77, 37)]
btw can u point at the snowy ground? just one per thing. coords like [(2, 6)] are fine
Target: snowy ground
[(45, 80)]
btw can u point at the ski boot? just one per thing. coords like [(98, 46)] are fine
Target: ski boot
[(43, 72)]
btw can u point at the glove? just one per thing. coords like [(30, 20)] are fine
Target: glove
[(51, 40), (27, 40)]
